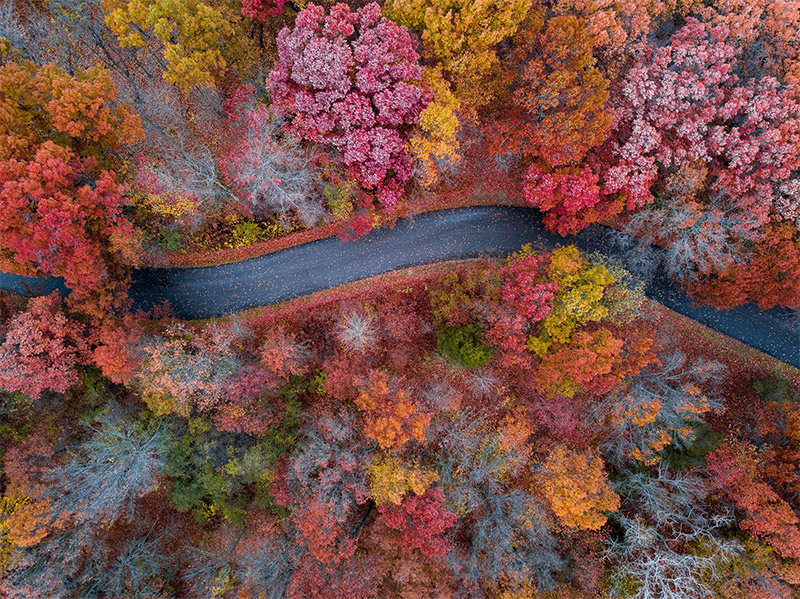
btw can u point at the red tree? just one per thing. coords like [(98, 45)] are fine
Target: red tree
[(770, 278), (60, 212), (736, 469), (262, 10), (422, 521)]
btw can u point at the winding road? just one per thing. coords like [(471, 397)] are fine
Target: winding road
[(424, 239)]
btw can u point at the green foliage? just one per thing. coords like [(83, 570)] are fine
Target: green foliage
[(171, 241), (97, 392), (623, 298), (706, 440), (16, 413), (256, 464), (464, 345), (776, 388), (217, 474), (340, 199), (193, 459)]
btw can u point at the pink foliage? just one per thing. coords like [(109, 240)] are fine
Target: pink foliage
[(686, 107), (261, 10), (42, 349), (351, 79), (423, 521)]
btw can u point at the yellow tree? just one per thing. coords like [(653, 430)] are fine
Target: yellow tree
[(192, 32), (391, 479), (577, 489), (578, 299), (462, 35), (436, 142)]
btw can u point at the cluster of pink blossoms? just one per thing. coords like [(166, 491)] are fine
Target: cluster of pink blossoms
[(352, 79)]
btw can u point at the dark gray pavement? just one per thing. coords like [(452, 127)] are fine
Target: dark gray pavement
[(424, 239)]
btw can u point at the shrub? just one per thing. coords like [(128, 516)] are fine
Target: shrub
[(464, 345)]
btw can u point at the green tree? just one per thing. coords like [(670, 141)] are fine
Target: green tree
[(464, 345)]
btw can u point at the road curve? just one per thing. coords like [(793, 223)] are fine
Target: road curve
[(423, 239)]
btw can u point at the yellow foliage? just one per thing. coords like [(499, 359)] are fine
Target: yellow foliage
[(578, 300), (438, 129), (191, 31), (577, 489), (391, 478), (166, 205), (462, 35)]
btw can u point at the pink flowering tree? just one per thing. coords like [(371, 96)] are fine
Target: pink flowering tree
[(352, 80), (42, 349)]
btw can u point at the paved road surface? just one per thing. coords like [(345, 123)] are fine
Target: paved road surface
[(427, 238)]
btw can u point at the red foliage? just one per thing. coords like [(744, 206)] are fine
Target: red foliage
[(570, 197), (247, 409), (769, 279), (60, 212), (527, 299), (591, 362), (282, 353), (351, 79), (42, 349), (736, 469), (354, 579), (422, 521), (115, 350), (261, 10), (53, 224)]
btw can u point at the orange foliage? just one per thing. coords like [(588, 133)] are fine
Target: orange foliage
[(391, 416), (577, 489), (588, 362), (562, 93), (27, 525)]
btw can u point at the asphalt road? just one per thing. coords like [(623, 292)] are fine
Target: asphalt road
[(424, 239)]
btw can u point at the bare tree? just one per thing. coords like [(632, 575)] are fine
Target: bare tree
[(674, 388), (663, 517), (509, 538), (272, 172), (108, 472), (356, 331)]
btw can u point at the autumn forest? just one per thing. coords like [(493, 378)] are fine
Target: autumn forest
[(531, 425)]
